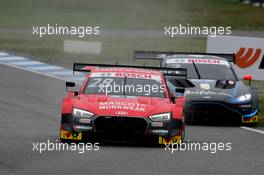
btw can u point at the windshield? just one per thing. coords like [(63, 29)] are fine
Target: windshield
[(206, 71), (125, 86)]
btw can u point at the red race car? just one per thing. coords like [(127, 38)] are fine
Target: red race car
[(124, 102)]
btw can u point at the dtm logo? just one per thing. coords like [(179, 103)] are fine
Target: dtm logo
[(247, 57)]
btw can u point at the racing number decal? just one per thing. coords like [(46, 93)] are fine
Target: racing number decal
[(101, 82), (96, 82)]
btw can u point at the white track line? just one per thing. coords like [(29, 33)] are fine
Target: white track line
[(36, 72), (253, 130), (64, 72), (3, 54), (12, 58), (47, 67), (27, 63)]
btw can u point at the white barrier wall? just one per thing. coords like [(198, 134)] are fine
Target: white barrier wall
[(249, 53)]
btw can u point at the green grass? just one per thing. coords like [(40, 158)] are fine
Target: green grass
[(137, 14), (18, 17), (260, 86)]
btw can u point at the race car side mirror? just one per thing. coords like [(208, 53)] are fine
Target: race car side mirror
[(72, 93), (69, 84), (179, 92), (248, 78), (181, 83)]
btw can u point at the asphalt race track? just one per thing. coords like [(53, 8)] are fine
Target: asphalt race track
[(30, 112)]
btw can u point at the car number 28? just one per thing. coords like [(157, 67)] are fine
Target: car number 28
[(101, 82)]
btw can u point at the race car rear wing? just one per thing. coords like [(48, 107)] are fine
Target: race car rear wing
[(159, 55), (174, 72)]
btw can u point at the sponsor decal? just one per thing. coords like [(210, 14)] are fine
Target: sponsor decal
[(174, 139), (205, 86), (203, 92), (126, 74), (197, 61), (122, 113), (204, 61), (122, 106), (69, 135), (247, 57), (133, 75), (253, 119)]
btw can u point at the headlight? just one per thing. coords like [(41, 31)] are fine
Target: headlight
[(243, 97), (161, 117), (81, 113)]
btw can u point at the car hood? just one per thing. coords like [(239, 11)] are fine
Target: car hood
[(209, 90), (122, 105)]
